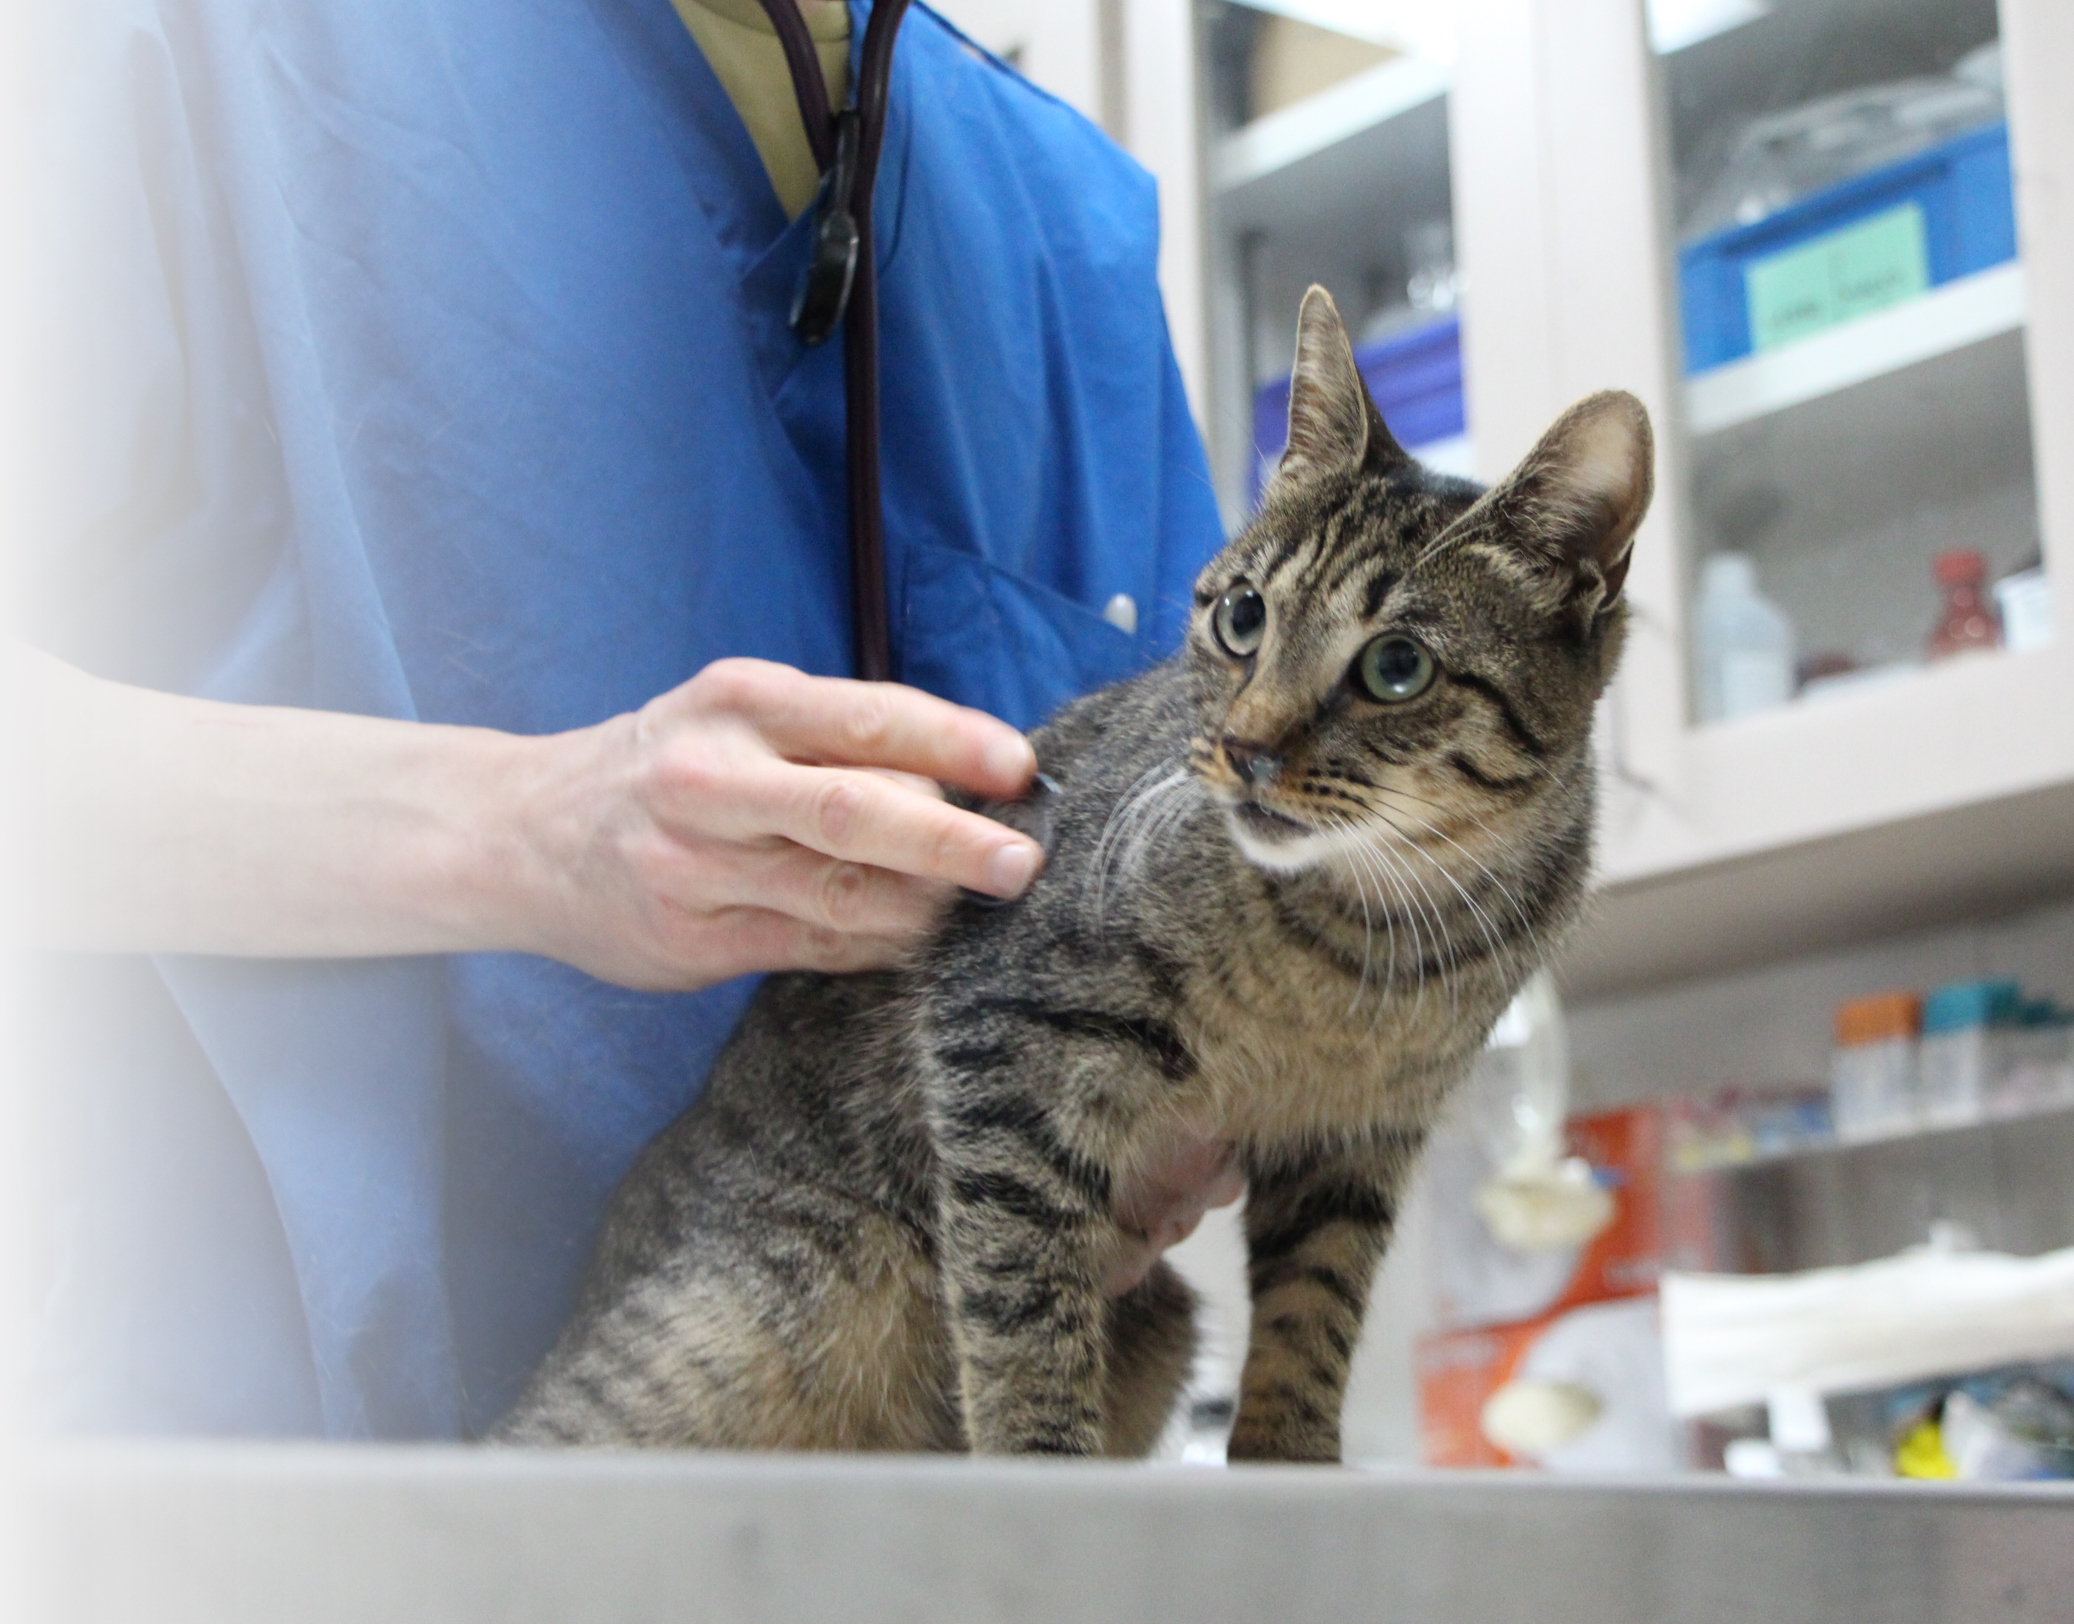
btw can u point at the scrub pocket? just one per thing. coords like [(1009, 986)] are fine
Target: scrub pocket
[(979, 635)]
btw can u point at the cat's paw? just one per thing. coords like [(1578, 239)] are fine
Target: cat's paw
[(1261, 1442)]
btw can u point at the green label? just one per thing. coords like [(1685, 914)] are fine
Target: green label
[(1839, 277)]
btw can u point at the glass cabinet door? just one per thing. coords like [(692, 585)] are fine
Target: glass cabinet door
[(1852, 309), (1327, 162)]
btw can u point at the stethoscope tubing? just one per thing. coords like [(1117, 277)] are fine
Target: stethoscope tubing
[(870, 620)]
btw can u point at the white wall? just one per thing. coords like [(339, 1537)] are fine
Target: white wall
[(1057, 44)]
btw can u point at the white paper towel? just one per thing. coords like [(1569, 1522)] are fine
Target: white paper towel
[(1735, 1339)]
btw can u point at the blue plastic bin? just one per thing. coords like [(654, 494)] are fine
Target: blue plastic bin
[(1961, 187), (1415, 376)]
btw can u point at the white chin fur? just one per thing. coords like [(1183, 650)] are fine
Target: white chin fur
[(1290, 856)]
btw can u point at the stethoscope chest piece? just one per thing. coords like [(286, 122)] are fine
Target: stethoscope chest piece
[(1032, 815), (831, 270)]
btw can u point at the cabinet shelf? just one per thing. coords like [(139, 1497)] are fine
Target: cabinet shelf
[(1336, 126), (1943, 795), (2055, 1116), (1945, 320), (1326, 191)]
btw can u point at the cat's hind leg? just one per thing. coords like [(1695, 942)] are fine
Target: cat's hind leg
[(723, 1351), (675, 1361), (1151, 1346)]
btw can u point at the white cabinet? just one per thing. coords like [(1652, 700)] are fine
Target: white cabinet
[(1843, 458)]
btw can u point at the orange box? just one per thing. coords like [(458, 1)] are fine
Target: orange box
[(1612, 1350), (1456, 1372), (1477, 1280), (1626, 1149)]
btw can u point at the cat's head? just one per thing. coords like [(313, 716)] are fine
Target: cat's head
[(1389, 656)]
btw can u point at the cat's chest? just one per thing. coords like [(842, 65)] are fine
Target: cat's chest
[(1285, 1055)]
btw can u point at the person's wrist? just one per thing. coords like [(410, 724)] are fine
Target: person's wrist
[(502, 864)]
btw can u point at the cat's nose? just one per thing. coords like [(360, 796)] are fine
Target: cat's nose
[(1255, 763)]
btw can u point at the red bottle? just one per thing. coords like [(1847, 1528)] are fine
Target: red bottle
[(1969, 620)]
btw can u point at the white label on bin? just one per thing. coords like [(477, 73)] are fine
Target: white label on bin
[(1843, 274)]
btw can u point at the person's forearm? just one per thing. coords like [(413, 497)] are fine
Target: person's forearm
[(155, 822), (752, 818)]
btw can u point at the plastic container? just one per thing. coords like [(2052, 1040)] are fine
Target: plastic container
[(1969, 622), (1776, 158), (1872, 1070), (1960, 1052), (2024, 601), (1415, 377), (2033, 1064), (1874, 240), (1743, 640)]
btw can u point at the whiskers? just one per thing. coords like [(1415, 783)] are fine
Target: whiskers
[(1389, 844), (1366, 867), (1160, 800), (1521, 950)]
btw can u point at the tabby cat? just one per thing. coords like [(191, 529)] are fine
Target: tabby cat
[(1295, 874)]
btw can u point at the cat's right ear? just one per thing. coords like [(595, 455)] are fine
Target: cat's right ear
[(1575, 501), (1333, 424)]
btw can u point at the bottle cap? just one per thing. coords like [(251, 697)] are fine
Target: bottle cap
[(1960, 1004), (1876, 1019), (1962, 566)]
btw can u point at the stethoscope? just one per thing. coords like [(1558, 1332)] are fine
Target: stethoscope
[(839, 288)]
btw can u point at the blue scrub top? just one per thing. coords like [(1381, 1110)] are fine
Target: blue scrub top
[(461, 375)]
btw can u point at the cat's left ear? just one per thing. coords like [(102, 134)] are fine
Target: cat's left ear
[(1333, 422), (1576, 500)]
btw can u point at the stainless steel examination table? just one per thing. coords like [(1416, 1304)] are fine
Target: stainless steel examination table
[(311, 1535)]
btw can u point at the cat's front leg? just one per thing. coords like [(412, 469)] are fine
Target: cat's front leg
[(1025, 1237), (1316, 1227)]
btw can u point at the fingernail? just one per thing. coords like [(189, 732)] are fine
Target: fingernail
[(1011, 869), (1010, 758)]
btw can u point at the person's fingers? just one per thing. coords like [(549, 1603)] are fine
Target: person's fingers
[(1177, 1226), (1132, 1265), (874, 724), (1195, 1176), (750, 941), (849, 897), (1227, 1187), (862, 817), (913, 781)]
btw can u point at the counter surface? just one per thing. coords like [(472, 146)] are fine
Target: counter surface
[(240, 1534)]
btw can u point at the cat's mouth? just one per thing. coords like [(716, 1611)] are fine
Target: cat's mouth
[(1267, 824)]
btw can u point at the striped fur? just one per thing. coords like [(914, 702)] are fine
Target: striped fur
[(1277, 913)]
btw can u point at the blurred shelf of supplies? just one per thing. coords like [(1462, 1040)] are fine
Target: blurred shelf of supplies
[(1852, 311)]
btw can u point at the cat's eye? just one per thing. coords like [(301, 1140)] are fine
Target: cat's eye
[(1393, 669), (1241, 619)]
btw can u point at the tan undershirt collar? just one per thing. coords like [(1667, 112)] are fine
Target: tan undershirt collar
[(742, 48)]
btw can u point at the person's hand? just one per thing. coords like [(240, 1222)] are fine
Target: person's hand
[(757, 818), (1162, 1205)]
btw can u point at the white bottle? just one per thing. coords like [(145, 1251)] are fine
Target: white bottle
[(1744, 642)]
